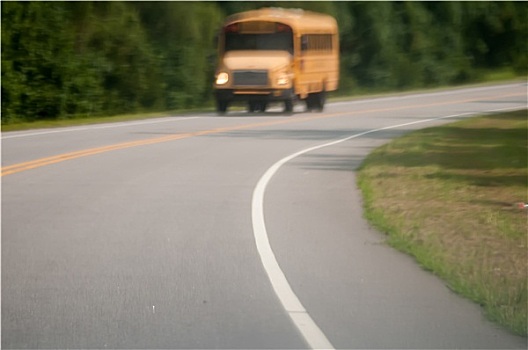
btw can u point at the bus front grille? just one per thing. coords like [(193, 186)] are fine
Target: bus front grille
[(250, 78)]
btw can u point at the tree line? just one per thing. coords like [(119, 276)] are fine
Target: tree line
[(78, 59)]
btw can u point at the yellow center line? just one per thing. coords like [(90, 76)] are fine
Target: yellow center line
[(16, 168)]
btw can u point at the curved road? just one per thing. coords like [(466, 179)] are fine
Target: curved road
[(241, 231)]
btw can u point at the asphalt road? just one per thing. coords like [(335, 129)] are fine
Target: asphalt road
[(243, 231)]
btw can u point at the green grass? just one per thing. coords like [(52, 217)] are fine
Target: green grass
[(96, 120), (499, 74), (447, 195)]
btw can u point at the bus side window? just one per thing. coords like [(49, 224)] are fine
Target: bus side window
[(304, 43)]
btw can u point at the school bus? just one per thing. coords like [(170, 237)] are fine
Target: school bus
[(276, 55)]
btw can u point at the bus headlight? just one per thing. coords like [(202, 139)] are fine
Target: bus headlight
[(222, 78), (283, 79)]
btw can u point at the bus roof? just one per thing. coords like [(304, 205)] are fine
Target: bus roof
[(300, 20)]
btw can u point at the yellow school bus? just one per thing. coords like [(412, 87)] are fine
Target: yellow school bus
[(276, 55)]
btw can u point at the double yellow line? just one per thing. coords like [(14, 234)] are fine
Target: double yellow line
[(16, 168), (37, 163)]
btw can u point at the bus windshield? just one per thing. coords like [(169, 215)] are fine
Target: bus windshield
[(274, 41)]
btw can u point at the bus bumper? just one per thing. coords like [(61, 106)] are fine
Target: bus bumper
[(271, 95)]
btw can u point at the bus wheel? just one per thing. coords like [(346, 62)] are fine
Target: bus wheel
[(288, 106), (316, 101), (221, 106), (310, 103), (321, 99), (252, 106)]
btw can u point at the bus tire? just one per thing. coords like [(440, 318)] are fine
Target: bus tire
[(221, 106), (316, 101), (288, 106), (320, 101), (310, 103)]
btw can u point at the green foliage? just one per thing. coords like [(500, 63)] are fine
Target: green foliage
[(34, 47), (84, 59)]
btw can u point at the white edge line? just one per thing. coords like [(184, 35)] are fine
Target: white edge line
[(164, 120), (312, 334), (94, 127), (424, 93)]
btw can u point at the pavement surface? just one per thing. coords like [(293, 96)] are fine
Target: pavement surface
[(243, 231)]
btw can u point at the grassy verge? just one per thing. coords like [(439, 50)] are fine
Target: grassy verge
[(97, 120), (447, 195)]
